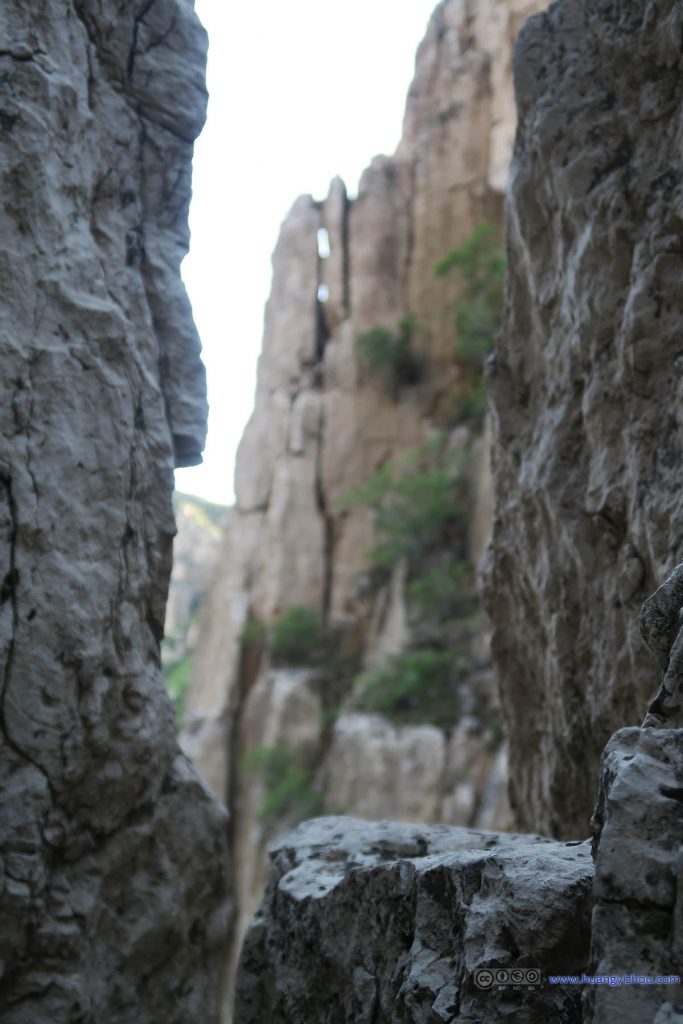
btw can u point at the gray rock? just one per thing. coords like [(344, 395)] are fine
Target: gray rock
[(367, 921), (638, 897), (660, 625), (638, 836), (112, 898), (585, 389)]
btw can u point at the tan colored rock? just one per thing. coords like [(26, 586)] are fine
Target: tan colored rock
[(402, 769), (322, 424)]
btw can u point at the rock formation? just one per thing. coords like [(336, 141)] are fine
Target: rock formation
[(417, 924), (586, 443), (587, 436), (112, 880), (323, 424)]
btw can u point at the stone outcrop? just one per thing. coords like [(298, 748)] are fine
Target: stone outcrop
[(112, 851), (584, 390), (321, 426), (638, 837), (364, 922)]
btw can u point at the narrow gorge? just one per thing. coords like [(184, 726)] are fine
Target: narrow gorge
[(342, 661), (398, 737), (390, 922)]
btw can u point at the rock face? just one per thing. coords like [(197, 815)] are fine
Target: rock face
[(413, 924), (322, 425), (112, 881), (587, 429), (638, 837)]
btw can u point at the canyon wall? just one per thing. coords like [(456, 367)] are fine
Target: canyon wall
[(585, 394), (112, 850), (323, 425), (398, 923)]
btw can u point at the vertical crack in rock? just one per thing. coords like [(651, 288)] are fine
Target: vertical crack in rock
[(137, 21), (327, 519)]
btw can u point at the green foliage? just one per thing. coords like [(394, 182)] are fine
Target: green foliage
[(480, 263), (443, 591), (288, 785), (389, 354), (416, 687), (177, 676), (298, 637), (417, 503)]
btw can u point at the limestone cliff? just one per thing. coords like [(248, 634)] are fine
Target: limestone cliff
[(112, 879), (279, 737)]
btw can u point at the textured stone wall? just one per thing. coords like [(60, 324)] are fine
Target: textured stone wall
[(112, 852), (586, 391)]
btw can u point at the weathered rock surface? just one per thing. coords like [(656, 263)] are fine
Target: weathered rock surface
[(366, 922), (321, 426), (586, 391), (638, 837), (638, 896), (112, 851)]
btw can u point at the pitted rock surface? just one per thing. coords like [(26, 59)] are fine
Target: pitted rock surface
[(585, 390), (112, 889), (382, 921)]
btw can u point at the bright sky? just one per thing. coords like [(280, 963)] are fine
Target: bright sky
[(299, 91)]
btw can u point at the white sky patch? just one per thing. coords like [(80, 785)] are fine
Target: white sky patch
[(299, 92)]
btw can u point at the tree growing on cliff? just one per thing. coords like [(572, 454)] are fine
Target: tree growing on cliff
[(389, 355), (480, 265)]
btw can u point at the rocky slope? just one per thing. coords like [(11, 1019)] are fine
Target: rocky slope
[(283, 734), (587, 432), (586, 510), (112, 881)]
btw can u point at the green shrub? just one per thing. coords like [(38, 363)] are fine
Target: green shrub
[(287, 784), (390, 354), (177, 676), (298, 637), (417, 687), (480, 263), (444, 591), (417, 503)]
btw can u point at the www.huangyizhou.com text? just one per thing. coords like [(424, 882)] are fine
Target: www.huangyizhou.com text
[(614, 980)]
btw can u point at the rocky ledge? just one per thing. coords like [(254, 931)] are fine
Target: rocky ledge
[(366, 922)]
